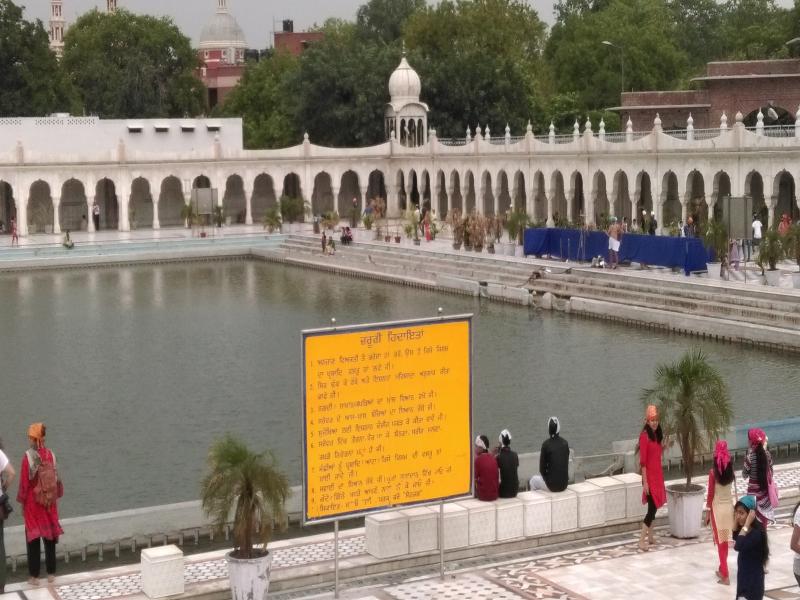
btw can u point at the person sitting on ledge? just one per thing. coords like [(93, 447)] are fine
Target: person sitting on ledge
[(508, 463), (487, 478), (68, 243), (553, 462)]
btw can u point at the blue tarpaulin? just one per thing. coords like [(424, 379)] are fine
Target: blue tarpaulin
[(575, 244)]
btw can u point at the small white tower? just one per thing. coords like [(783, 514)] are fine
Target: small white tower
[(405, 114), (57, 27), (111, 6)]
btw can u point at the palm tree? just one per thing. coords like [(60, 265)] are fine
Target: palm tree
[(249, 484), (694, 404)]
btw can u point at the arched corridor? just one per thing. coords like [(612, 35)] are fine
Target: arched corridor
[(73, 210), (171, 203)]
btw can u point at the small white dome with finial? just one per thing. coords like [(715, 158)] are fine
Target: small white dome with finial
[(553, 127), (529, 128), (576, 128), (588, 125), (723, 121), (690, 121), (657, 121), (508, 130), (404, 84), (629, 125), (469, 133)]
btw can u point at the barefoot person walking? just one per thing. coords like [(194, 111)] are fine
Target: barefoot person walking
[(654, 494), (720, 505)]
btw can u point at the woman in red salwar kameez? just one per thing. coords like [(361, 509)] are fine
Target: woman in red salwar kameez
[(41, 523), (654, 494)]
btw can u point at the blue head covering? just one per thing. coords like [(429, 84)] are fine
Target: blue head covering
[(748, 501)]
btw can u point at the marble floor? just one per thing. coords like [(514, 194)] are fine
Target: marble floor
[(674, 570)]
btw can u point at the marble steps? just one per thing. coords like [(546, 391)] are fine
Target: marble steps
[(745, 301), (425, 265), (670, 302)]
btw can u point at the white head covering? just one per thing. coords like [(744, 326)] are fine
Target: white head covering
[(554, 420), (505, 437), (480, 444)]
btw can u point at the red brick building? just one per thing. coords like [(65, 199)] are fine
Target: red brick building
[(222, 54), (294, 42), (730, 87)]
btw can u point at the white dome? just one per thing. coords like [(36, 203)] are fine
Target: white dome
[(222, 31), (404, 84)]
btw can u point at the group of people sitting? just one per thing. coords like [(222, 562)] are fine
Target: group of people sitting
[(496, 470)]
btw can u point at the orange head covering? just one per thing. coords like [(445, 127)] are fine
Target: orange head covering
[(36, 433), (651, 413)]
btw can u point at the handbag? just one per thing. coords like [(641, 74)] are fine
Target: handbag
[(772, 491)]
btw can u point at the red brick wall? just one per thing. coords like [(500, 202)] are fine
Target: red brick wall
[(293, 42)]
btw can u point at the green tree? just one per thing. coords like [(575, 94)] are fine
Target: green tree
[(125, 65), (263, 100), (755, 29), (694, 404), (31, 83), (644, 33), (340, 88), (384, 20), (479, 63), (699, 23)]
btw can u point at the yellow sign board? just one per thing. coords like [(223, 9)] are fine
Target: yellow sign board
[(387, 416)]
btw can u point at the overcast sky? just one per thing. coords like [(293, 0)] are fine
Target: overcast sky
[(255, 16)]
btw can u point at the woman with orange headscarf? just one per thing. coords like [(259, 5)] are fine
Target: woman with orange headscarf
[(654, 494), (39, 490)]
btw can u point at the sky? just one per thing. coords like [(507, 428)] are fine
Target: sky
[(254, 16)]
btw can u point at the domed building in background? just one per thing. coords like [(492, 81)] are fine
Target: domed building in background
[(222, 53), (406, 116)]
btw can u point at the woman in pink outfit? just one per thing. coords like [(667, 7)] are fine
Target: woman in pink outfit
[(41, 521)]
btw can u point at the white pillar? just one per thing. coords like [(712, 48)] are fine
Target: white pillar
[(336, 189), (771, 206), (464, 193), (550, 221), (22, 211), (56, 219), (124, 216), (392, 200), (248, 197), (156, 221), (90, 200)]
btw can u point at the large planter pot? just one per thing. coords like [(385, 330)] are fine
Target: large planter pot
[(685, 510), (796, 280), (249, 577), (773, 277), (713, 271)]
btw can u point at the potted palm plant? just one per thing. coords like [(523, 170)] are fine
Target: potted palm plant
[(272, 220), (771, 249), (792, 242), (457, 227), (251, 487), (715, 239), (695, 409), (516, 222)]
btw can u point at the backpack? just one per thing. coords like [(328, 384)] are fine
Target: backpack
[(46, 488)]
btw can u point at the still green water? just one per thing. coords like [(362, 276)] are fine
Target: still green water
[(136, 370)]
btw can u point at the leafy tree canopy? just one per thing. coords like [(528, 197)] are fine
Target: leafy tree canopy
[(339, 90), (262, 98), (643, 37), (478, 61), (31, 83), (383, 20), (126, 65)]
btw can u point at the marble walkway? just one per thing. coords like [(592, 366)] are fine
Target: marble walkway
[(597, 569)]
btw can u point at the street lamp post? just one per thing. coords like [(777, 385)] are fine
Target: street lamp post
[(621, 62)]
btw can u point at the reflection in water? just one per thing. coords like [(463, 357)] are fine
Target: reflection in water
[(137, 369)]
